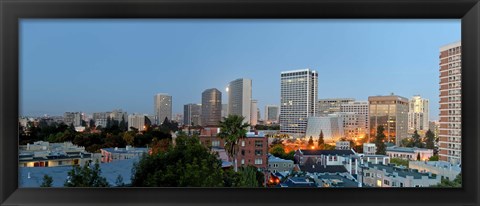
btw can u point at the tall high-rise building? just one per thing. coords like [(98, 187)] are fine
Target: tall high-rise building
[(192, 114), (450, 136), (254, 113), (418, 114), (392, 113), (136, 121), (330, 106), (240, 98), (211, 107), (271, 114), (162, 107), (298, 93), (361, 109)]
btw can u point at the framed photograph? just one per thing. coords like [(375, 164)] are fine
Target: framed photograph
[(239, 102)]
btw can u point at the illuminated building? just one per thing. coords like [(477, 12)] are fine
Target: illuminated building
[(271, 114), (330, 106), (418, 114), (331, 126), (298, 94), (254, 113), (391, 112), (136, 121)]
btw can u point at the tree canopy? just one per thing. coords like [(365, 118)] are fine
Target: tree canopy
[(380, 141), (232, 129), (86, 176)]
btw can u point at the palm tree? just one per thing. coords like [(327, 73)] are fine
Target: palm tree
[(232, 129)]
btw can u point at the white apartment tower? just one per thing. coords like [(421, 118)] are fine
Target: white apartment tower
[(240, 98), (162, 107), (418, 114), (450, 136), (136, 121), (298, 94)]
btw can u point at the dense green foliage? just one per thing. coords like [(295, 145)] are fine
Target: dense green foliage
[(430, 140), (86, 176), (187, 164), (457, 182), (115, 134), (380, 141), (399, 162), (278, 150), (321, 141), (434, 158), (47, 181)]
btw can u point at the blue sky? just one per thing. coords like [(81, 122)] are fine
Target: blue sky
[(100, 65)]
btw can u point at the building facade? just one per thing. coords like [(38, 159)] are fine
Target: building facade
[(378, 175), (192, 114), (331, 126), (211, 107), (74, 118), (418, 114), (330, 106), (450, 131), (391, 112), (254, 113), (409, 153), (240, 98), (272, 113), (162, 107), (299, 93), (136, 121), (354, 125), (361, 108)]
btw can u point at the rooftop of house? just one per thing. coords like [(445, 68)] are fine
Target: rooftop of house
[(438, 164), (127, 149), (326, 152), (394, 171), (33, 176), (273, 159), (298, 182), (334, 180), (405, 149), (315, 167)]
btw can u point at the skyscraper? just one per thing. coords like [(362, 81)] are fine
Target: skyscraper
[(224, 110), (240, 98), (392, 113), (418, 112), (450, 139), (162, 107), (271, 114), (298, 95), (254, 113), (191, 114), (211, 107)]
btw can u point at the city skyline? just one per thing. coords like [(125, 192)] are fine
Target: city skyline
[(78, 75)]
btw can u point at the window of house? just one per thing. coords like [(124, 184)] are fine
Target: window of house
[(258, 143), (243, 143), (258, 161), (258, 152)]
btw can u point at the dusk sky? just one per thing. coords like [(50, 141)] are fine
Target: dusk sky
[(101, 65)]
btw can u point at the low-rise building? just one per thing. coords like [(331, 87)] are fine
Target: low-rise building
[(409, 153), (129, 152), (369, 148), (298, 182), (276, 164), (379, 175), (342, 145), (252, 149), (443, 169), (45, 154)]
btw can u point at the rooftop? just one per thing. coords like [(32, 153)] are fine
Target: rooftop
[(392, 170), (326, 152), (33, 176), (272, 158), (312, 167), (298, 182), (334, 180), (126, 150), (406, 149)]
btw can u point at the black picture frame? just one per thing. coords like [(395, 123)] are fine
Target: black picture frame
[(13, 10)]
